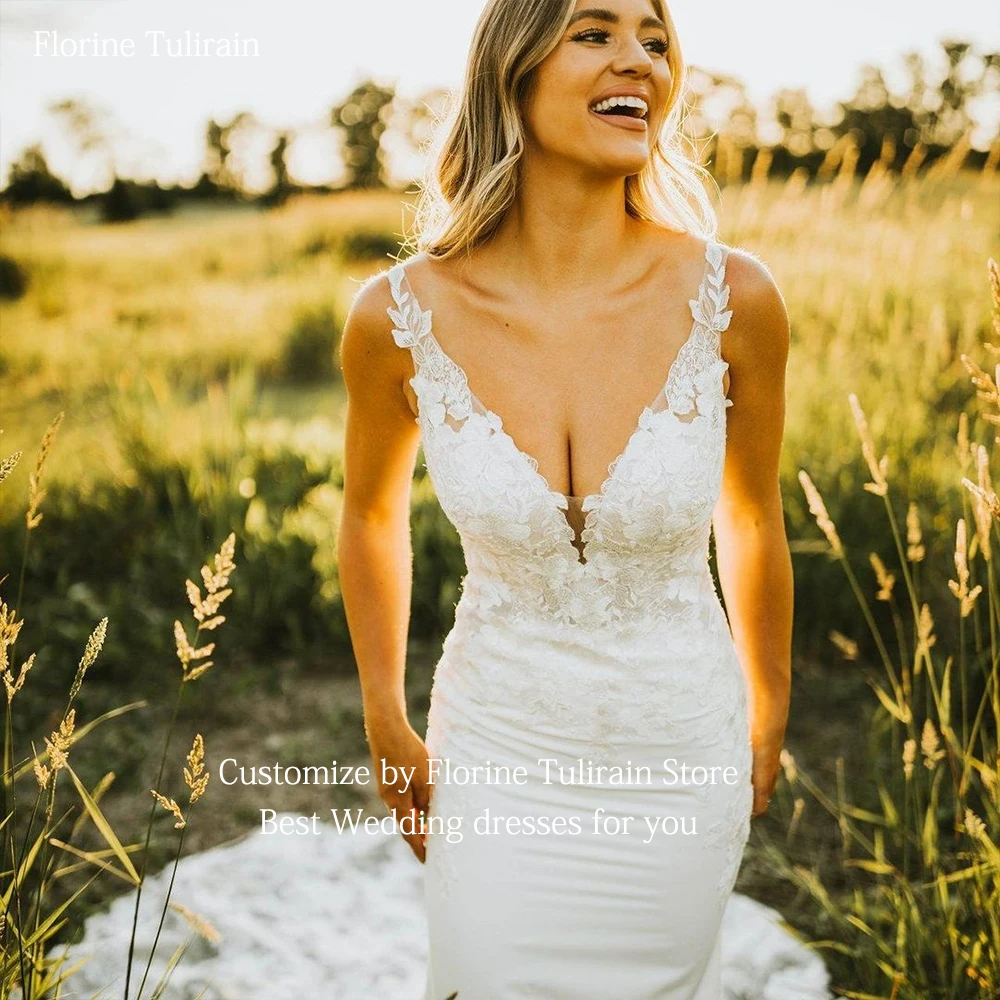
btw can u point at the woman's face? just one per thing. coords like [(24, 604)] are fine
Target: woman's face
[(611, 48)]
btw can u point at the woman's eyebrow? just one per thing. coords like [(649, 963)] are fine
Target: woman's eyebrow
[(603, 14)]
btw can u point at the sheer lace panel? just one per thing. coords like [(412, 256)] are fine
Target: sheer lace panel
[(637, 545)]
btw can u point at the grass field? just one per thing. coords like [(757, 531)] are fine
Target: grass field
[(884, 288), (191, 342)]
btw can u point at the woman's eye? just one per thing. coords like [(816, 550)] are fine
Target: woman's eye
[(591, 35), (597, 35)]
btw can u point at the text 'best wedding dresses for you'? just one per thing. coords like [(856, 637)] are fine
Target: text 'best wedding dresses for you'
[(589, 635)]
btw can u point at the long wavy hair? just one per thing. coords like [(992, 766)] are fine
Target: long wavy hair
[(472, 157)]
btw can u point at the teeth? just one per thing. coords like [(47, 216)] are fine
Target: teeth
[(622, 102)]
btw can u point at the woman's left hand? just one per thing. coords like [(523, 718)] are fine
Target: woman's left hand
[(766, 764)]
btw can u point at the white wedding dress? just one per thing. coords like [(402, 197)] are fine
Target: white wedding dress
[(588, 628)]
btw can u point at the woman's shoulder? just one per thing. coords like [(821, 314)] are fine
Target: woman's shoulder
[(367, 317), (383, 290), (759, 327), (367, 345), (753, 285)]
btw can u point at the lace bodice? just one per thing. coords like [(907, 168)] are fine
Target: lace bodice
[(639, 560)]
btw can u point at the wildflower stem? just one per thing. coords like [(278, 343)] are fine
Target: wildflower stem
[(149, 830), (163, 912)]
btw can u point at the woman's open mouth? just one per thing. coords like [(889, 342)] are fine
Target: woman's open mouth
[(625, 112)]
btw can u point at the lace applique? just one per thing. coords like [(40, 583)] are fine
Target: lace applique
[(451, 803), (729, 833), (645, 535)]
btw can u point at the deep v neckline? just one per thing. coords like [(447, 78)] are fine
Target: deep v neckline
[(498, 419), (590, 504)]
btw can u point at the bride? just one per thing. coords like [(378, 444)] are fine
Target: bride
[(597, 383)]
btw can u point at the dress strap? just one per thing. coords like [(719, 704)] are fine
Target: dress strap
[(699, 366), (410, 323), (709, 309)]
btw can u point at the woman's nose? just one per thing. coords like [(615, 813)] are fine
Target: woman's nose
[(633, 57)]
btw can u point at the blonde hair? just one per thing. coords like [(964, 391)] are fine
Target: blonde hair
[(471, 174)]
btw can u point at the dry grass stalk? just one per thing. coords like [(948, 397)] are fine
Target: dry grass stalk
[(205, 609), (885, 579), (35, 492), (94, 646), (195, 775), (915, 551), (8, 465), (171, 806), (198, 923), (923, 889), (960, 588), (877, 467), (909, 756), (26, 962), (848, 647), (818, 509)]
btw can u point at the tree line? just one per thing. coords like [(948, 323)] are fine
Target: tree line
[(937, 111)]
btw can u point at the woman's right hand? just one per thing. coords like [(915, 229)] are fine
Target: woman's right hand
[(403, 749)]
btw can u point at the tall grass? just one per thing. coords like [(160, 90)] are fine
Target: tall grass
[(916, 914), (40, 859)]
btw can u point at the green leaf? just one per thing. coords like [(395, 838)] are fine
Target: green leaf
[(105, 827)]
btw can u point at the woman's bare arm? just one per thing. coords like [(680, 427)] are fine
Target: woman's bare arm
[(380, 445), (375, 552), (755, 568)]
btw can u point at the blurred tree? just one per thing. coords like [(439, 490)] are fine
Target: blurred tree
[(968, 77), (216, 152), (120, 203), (29, 180), (222, 168), (933, 111), (91, 130), (796, 117), (278, 158), (938, 109), (722, 121), (362, 118), (13, 284), (871, 116), (411, 128)]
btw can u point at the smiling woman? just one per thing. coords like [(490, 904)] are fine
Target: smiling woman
[(569, 248)]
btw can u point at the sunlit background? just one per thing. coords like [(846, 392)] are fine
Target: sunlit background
[(149, 115), (181, 240)]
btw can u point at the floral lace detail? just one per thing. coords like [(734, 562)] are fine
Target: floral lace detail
[(730, 832), (645, 534), (448, 800), (680, 685)]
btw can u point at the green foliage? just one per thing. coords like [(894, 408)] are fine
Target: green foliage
[(42, 902), (361, 119), (117, 550), (310, 348), (176, 430), (911, 911), (438, 564), (367, 244), (13, 278), (31, 182), (119, 204)]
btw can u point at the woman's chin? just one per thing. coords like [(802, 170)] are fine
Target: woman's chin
[(622, 164)]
